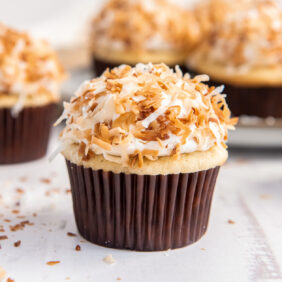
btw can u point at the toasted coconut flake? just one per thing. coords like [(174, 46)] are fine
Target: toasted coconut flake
[(240, 34), (28, 67), (101, 143), (135, 25), (168, 111)]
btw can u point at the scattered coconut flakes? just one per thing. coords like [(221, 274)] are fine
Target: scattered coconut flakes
[(45, 180), (70, 234), (17, 243), (2, 273), (230, 221), (20, 226), (54, 262)]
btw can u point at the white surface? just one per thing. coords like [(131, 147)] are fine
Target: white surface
[(265, 137), (249, 191)]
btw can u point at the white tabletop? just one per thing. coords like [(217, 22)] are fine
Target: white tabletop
[(248, 192)]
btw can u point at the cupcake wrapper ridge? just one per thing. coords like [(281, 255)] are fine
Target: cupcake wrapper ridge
[(141, 212), (261, 102)]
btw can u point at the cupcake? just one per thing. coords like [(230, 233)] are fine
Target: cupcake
[(143, 147), (30, 79), (133, 31), (243, 50)]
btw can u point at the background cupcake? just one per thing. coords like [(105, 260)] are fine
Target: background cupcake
[(143, 148), (243, 50), (129, 32), (30, 79)]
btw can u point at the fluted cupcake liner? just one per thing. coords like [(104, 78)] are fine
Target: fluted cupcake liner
[(99, 66), (141, 212), (261, 101), (25, 137)]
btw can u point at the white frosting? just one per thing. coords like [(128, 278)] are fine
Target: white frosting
[(27, 67), (180, 92), (146, 23), (246, 37)]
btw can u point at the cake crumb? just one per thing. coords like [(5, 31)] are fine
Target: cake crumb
[(34, 214), (17, 244), (7, 220), (3, 237), (203, 249), (10, 280), (109, 259), (67, 278), (71, 234), (77, 248), (118, 279), (2, 273), (53, 262), (230, 221)]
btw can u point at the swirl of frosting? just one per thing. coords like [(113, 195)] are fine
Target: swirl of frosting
[(146, 111), (28, 67), (247, 35), (143, 25)]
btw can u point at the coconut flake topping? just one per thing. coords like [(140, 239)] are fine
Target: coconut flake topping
[(144, 25), (28, 67), (146, 111), (241, 34)]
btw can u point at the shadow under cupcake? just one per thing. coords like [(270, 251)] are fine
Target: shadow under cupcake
[(30, 79), (143, 147)]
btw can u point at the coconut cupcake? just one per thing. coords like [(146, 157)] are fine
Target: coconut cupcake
[(130, 31), (30, 79), (244, 51), (143, 147)]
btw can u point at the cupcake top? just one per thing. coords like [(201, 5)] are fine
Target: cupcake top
[(28, 68), (139, 25), (148, 111), (245, 38), (210, 13)]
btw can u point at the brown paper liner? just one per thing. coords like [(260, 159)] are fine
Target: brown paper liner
[(141, 212), (25, 137), (262, 102), (99, 66)]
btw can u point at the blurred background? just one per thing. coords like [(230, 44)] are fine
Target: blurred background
[(66, 23)]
